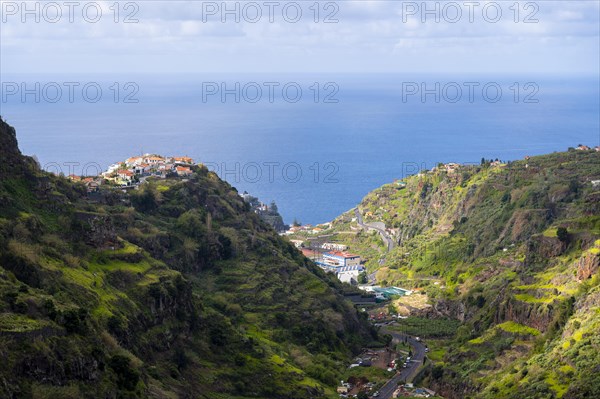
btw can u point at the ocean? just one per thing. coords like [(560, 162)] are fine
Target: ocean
[(314, 144)]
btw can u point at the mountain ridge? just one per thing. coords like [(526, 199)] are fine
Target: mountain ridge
[(177, 289), (511, 250)]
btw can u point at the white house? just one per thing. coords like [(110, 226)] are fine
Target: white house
[(334, 246), (349, 274), (152, 160), (134, 161), (297, 243), (125, 175)]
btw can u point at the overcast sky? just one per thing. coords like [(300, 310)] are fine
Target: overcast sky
[(369, 36)]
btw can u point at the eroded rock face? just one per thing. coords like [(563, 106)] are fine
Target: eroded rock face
[(450, 309), (9, 148), (540, 249), (13, 162), (98, 230), (8, 138), (587, 265), (535, 315)]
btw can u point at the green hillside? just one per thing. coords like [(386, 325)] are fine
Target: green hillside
[(512, 252), (176, 290)]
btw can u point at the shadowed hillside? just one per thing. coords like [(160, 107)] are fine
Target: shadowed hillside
[(173, 290)]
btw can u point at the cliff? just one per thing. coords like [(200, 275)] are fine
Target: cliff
[(13, 162)]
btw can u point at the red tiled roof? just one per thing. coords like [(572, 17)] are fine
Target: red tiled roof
[(183, 159), (342, 254), (308, 252)]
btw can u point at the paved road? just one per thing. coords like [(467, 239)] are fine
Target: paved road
[(379, 227), (418, 350), (372, 278)]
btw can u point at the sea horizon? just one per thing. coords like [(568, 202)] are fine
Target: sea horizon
[(315, 157)]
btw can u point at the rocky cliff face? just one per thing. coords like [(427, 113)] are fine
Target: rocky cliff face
[(8, 139), (587, 265), (13, 162)]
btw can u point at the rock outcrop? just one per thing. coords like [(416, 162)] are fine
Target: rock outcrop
[(13, 162), (587, 265)]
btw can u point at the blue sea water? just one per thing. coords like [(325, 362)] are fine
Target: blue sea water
[(370, 136)]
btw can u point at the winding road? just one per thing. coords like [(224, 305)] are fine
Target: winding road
[(379, 227), (418, 349), (405, 374)]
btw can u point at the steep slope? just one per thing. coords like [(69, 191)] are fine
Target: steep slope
[(173, 290), (512, 252)]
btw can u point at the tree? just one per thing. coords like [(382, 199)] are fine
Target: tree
[(146, 199), (363, 278), (127, 377), (273, 207), (563, 234)]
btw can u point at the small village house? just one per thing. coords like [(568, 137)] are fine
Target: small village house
[(297, 243), (183, 171), (182, 160), (125, 175), (334, 246)]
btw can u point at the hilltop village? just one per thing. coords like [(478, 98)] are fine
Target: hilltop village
[(134, 171)]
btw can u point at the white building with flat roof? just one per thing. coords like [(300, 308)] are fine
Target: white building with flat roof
[(349, 274), (331, 246)]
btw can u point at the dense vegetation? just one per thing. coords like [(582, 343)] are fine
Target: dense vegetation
[(174, 290), (512, 251)]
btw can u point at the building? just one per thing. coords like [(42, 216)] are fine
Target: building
[(340, 259), (297, 243), (183, 171), (164, 167), (313, 255), (141, 168), (334, 246), (343, 390), (152, 160), (111, 169), (386, 292), (125, 175), (92, 186), (134, 161), (182, 160), (349, 274)]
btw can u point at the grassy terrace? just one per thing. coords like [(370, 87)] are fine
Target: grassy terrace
[(426, 328), (10, 322)]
